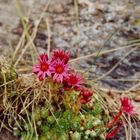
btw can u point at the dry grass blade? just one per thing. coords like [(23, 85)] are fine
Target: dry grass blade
[(116, 65), (103, 52), (30, 38), (19, 45), (49, 37), (78, 26)]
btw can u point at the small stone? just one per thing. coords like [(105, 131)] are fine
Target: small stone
[(70, 132), (82, 128), (39, 123), (56, 8), (41, 50)]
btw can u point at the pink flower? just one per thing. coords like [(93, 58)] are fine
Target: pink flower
[(60, 54), (74, 79), (43, 57), (59, 70), (42, 69), (85, 95), (127, 106)]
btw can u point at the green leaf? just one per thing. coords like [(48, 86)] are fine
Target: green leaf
[(76, 136), (75, 123), (64, 136), (42, 138), (58, 114), (97, 109), (58, 130), (63, 124), (44, 112), (37, 114), (17, 132), (49, 135), (44, 129), (67, 114), (50, 119), (89, 124), (23, 136)]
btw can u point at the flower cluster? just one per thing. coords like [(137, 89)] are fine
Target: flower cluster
[(126, 107), (55, 67), (85, 95), (58, 68)]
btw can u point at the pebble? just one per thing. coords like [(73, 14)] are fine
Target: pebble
[(56, 8)]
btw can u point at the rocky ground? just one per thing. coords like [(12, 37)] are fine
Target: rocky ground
[(97, 22), (98, 25)]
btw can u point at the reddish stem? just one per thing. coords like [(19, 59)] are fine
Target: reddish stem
[(113, 132), (114, 120)]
